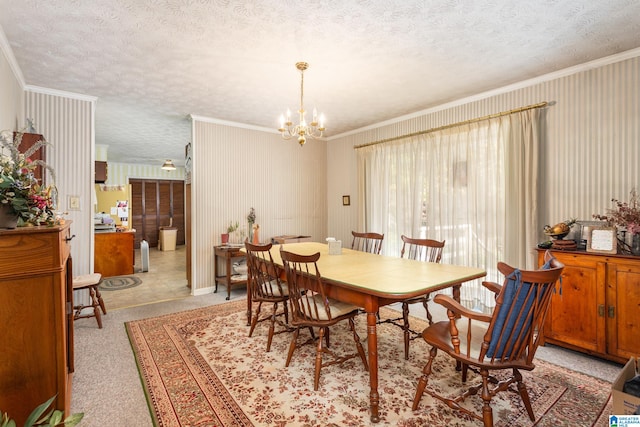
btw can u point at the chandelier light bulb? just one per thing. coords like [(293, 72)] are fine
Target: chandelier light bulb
[(302, 130)]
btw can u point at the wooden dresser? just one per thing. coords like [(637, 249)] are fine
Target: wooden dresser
[(598, 311), (36, 319)]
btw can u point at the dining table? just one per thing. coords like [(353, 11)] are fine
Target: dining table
[(371, 281)]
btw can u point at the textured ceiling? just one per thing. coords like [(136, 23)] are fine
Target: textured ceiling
[(151, 63)]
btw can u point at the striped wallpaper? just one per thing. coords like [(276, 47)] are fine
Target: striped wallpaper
[(67, 123), (119, 173), (235, 169), (590, 153)]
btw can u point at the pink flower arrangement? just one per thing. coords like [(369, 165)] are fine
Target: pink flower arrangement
[(30, 201), (625, 215)]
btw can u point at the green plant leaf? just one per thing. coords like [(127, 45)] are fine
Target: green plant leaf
[(6, 421), (73, 419), (34, 417), (55, 418)]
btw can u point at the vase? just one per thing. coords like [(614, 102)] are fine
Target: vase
[(8, 218), (635, 244), (224, 238)]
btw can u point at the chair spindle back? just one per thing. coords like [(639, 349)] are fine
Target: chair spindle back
[(427, 250), (306, 291), (367, 242)]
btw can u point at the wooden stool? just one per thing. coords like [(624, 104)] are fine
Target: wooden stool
[(90, 281)]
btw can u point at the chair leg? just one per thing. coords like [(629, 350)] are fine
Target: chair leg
[(356, 338), (405, 328), (487, 412), (424, 379), (96, 305), (254, 321), (286, 312), (292, 346), (272, 326), (100, 301), (316, 376), (524, 394)]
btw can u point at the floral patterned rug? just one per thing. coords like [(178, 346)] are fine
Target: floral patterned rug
[(199, 368)]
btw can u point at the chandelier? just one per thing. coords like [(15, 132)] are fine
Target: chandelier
[(302, 129)]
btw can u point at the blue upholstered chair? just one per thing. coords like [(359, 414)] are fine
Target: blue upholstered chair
[(509, 341)]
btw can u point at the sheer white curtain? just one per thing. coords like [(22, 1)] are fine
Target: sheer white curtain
[(472, 185)]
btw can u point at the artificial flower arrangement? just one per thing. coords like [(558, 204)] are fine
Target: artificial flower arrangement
[(31, 202), (626, 215)]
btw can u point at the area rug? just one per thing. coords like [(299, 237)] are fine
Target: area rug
[(116, 283), (199, 368)]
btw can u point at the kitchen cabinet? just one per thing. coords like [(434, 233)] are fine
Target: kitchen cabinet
[(596, 308), (36, 319), (114, 254), (101, 172)]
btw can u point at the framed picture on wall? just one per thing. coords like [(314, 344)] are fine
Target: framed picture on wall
[(602, 240), (346, 200)]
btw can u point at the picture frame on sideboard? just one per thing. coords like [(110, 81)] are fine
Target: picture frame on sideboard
[(602, 240)]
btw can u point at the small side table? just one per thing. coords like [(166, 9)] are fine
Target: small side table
[(227, 253)]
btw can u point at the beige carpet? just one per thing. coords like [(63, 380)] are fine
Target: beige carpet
[(199, 369)]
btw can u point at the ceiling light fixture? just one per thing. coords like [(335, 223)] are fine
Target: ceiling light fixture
[(302, 129), (168, 165)]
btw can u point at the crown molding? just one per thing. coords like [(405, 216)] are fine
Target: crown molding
[(61, 93), (607, 60), (195, 117), (11, 59)]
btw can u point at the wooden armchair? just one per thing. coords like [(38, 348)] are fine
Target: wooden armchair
[(265, 287), (426, 250), (367, 242), (510, 341), (311, 308)]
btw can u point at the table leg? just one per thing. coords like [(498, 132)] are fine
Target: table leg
[(372, 342), (249, 308), (228, 273), (215, 270)]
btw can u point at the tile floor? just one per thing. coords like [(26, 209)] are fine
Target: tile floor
[(166, 280)]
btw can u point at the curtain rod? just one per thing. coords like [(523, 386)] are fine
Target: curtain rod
[(479, 119)]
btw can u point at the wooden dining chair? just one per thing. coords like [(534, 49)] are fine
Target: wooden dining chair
[(508, 343), (426, 250), (367, 242), (311, 308), (266, 287)]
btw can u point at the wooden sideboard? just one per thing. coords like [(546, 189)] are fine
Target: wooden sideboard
[(114, 254), (598, 310), (36, 319), (224, 255)]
